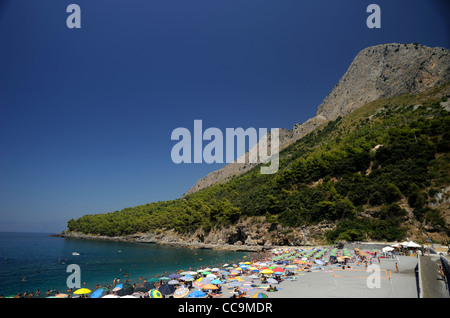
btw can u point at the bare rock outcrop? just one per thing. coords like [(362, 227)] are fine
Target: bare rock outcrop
[(379, 71)]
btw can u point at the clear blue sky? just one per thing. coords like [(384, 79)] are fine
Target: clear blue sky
[(86, 114)]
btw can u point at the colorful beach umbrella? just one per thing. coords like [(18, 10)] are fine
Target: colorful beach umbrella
[(180, 292), (260, 295), (201, 282), (154, 293)]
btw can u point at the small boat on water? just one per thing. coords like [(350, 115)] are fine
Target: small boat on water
[(75, 253)]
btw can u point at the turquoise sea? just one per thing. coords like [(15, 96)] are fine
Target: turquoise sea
[(42, 260)]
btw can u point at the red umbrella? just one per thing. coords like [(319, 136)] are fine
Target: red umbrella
[(278, 269)]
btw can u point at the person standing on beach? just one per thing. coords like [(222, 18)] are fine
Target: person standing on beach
[(396, 268)]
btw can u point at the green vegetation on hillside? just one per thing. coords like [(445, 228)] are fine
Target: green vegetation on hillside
[(332, 174)]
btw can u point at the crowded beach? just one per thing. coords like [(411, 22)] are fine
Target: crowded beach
[(277, 273)]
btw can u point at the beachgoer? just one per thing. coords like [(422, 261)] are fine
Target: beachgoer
[(396, 268)]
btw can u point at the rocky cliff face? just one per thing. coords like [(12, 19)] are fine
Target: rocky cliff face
[(252, 234), (376, 72)]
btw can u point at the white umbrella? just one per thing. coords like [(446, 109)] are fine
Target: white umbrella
[(173, 282), (110, 296), (412, 244), (387, 249)]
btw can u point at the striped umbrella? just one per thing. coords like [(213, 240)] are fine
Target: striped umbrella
[(260, 295), (180, 292), (201, 282)]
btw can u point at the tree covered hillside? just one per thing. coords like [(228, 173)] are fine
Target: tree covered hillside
[(374, 174)]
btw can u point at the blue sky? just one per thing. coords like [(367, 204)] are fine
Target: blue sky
[(86, 114)]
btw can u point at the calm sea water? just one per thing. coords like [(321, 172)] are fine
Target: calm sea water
[(35, 257)]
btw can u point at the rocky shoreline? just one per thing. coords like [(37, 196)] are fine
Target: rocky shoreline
[(248, 234), (152, 239)]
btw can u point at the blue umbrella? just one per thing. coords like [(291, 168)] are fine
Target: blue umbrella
[(216, 281), (196, 294), (97, 293)]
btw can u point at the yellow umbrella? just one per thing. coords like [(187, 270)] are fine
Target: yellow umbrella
[(82, 291), (266, 271), (247, 263)]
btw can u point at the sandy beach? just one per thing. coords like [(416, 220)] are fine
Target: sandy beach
[(310, 272)]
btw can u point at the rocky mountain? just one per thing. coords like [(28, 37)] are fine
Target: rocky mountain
[(379, 71)]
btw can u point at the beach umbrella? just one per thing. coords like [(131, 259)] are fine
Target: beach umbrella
[(272, 281), (192, 273), (166, 289), (246, 288), (126, 290), (82, 291), (211, 276), (154, 293), (153, 280), (187, 278), (260, 295), (149, 285), (173, 282), (235, 284), (184, 273), (165, 278), (118, 287), (215, 269), (180, 292), (266, 271), (247, 263), (216, 281), (412, 244), (210, 286), (110, 296), (196, 294), (141, 289), (278, 269), (201, 281), (225, 273), (236, 278), (206, 273), (174, 276), (61, 296), (207, 269), (99, 292)]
